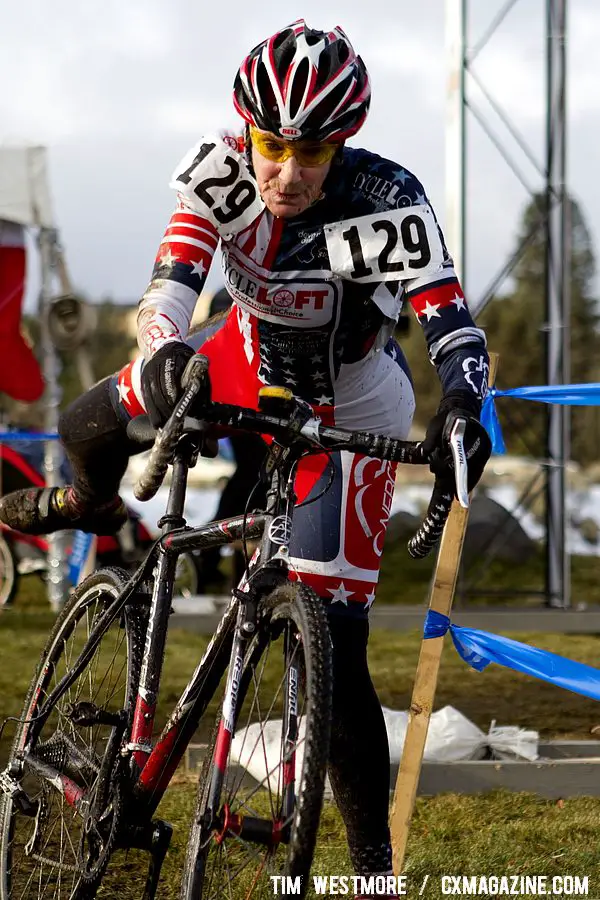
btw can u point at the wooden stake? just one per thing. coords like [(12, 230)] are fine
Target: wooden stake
[(441, 597)]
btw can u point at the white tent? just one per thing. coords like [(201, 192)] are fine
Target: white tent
[(24, 193)]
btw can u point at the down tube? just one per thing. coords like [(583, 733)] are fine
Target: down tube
[(183, 721)]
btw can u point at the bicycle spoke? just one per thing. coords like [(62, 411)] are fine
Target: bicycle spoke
[(265, 782), (263, 661)]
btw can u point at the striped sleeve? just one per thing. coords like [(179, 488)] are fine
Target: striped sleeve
[(456, 346), (180, 269)]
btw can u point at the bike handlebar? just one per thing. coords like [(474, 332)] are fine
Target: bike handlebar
[(311, 431)]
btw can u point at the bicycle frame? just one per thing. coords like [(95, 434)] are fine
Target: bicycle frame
[(153, 767)]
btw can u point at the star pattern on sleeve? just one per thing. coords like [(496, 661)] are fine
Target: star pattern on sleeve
[(430, 310), (168, 259), (123, 390), (198, 268), (459, 301)]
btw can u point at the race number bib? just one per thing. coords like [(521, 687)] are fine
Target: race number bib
[(388, 246), (218, 182)]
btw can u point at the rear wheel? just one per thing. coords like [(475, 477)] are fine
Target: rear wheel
[(8, 573), (60, 815), (264, 821), (187, 576)]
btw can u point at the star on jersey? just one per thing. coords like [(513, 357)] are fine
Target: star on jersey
[(324, 401), (431, 311), (459, 301), (123, 391), (316, 358), (340, 594), (287, 360), (199, 269)]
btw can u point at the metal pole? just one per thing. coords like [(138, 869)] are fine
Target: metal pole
[(557, 307), (82, 355), (456, 135), (57, 571)]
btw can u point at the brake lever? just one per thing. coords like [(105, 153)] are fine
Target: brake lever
[(461, 469)]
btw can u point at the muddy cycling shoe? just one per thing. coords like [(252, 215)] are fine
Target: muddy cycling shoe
[(44, 510)]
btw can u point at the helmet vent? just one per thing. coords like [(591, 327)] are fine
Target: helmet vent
[(265, 91), (287, 35), (298, 87), (312, 37), (328, 105)]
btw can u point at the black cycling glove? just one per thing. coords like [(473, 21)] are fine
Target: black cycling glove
[(477, 444), (161, 380)]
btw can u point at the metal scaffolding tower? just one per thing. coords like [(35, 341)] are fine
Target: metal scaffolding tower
[(462, 54)]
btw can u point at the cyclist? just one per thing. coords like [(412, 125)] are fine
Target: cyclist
[(321, 245)]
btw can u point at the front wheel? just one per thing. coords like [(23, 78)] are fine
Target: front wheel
[(259, 802), (60, 800)]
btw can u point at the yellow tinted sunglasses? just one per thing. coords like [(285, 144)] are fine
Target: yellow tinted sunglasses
[(306, 153)]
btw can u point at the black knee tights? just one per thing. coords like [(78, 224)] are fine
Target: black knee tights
[(359, 764), (96, 444)]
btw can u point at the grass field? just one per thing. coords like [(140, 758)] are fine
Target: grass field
[(500, 834)]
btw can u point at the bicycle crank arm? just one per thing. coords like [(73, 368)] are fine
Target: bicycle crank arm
[(159, 844), (154, 838)]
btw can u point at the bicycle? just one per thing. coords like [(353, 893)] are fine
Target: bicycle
[(84, 778)]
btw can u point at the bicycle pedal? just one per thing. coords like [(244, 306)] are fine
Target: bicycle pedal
[(85, 713)]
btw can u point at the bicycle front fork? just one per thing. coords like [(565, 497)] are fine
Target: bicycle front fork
[(275, 830)]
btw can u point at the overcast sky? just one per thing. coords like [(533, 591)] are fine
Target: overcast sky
[(119, 90)]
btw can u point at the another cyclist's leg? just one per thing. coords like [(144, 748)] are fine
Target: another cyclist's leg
[(242, 487), (249, 451), (92, 430)]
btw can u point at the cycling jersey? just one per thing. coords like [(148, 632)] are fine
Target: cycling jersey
[(315, 301), (325, 286)]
